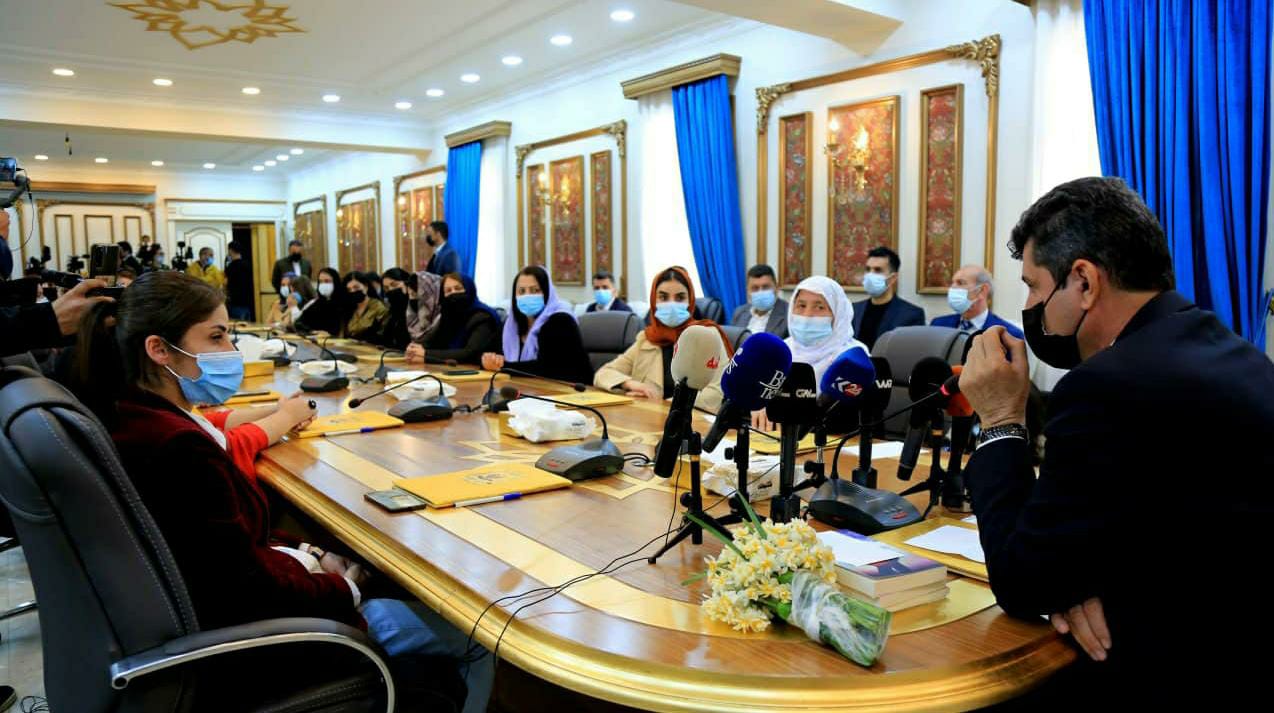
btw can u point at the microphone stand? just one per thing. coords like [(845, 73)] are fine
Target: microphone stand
[(936, 474), (442, 394), (692, 500)]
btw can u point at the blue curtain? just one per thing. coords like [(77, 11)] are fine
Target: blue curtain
[(464, 169), (710, 183), (1181, 95)]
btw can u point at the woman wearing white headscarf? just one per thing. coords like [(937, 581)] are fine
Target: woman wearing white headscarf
[(820, 320)]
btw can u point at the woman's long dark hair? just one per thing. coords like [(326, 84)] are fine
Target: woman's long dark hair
[(338, 286), (304, 289), (111, 347), (542, 278)]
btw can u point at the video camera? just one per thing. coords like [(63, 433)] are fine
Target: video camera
[(11, 173), (183, 257)]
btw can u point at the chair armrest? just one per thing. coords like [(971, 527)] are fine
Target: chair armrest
[(253, 635)]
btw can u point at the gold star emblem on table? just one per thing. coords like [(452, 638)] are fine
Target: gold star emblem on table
[(187, 20)]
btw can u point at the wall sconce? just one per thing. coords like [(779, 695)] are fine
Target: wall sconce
[(855, 158), (563, 196)]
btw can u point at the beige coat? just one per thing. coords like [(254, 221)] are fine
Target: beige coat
[(645, 362)]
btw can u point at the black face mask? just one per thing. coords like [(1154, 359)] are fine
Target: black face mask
[(357, 296), (397, 298), (296, 256), (430, 239), (455, 304), (1057, 350)]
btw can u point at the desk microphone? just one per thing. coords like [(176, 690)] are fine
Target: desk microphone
[(342, 356), (494, 400), (333, 380), (594, 458), (414, 410), (381, 372)]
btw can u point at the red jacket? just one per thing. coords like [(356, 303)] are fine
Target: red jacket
[(243, 442), (217, 522)]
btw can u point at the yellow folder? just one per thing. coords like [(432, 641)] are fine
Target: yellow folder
[(592, 398), (488, 481), (770, 447), (482, 375), (352, 422)]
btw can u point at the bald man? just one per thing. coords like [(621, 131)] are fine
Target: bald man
[(968, 296)]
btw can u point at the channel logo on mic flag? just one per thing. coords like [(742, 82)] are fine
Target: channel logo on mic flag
[(712, 363)]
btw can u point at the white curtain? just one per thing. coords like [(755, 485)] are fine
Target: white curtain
[(1064, 142), (665, 234), (489, 274)]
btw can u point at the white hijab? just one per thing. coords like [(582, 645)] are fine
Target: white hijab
[(822, 354)]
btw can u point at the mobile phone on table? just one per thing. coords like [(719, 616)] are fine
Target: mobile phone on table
[(395, 500), (461, 372)]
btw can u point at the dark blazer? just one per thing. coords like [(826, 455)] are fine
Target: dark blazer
[(482, 335), (992, 320), (239, 292), (776, 325), (561, 353), (617, 305), (283, 266), (445, 261), (898, 313), (1155, 495)]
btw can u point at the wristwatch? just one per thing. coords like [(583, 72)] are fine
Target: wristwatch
[(316, 551), (1008, 430)]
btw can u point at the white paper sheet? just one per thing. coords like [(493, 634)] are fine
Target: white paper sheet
[(891, 449), (952, 540), (853, 552)]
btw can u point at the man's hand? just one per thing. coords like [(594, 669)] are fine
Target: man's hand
[(415, 353), (71, 306), (492, 361), (996, 387), (1087, 623), (760, 421), (641, 390)]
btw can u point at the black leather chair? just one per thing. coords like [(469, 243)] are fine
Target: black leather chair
[(736, 335), (120, 633), (606, 335), (710, 308), (903, 348)]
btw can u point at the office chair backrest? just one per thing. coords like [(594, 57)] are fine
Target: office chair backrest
[(736, 335), (710, 308), (606, 335), (104, 577), (903, 348)]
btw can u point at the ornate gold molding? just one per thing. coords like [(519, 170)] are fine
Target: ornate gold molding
[(765, 96), (245, 22), (521, 153), (489, 130), (727, 64), (619, 132), (136, 189), (398, 180), (986, 52), (224, 200)]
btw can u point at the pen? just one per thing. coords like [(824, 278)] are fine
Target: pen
[(492, 499), (364, 429)]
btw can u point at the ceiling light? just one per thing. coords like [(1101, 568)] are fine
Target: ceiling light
[(561, 40), (258, 167), (41, 157), (161, 82), (282, 157), (156, 163), (331, 98), (435, 92), (402, 106), (297, 152), (251, 91), (271, 163), (623, 15), (64, 72), (101, 159), (511, 60), (470, 78), (210, 165)]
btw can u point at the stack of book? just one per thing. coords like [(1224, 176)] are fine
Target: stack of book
[(887, 577)]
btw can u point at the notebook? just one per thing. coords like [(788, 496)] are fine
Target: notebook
[(345, 423), (770, 446), (592, 398), (486, 481), (889, 570), (960, 565)]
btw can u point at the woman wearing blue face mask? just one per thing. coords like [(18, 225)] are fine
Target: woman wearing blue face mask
[(541, 335), (644, 371)]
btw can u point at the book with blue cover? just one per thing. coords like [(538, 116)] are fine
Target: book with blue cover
[(901, 572)]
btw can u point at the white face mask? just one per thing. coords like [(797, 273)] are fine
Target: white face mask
[(325, 289)]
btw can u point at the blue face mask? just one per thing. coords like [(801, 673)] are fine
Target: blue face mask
[(875, 284), (284, 291), (531, 305), (220, 376), (603, 297), (809, 331), (958, 299), (763, 300), (672, 314)]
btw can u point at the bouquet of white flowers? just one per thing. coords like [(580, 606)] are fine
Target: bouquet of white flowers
[(770, 569)]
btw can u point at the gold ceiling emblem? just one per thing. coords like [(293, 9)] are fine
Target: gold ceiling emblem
[(203, 23)]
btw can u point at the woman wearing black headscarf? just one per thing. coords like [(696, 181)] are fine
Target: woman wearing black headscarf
[(467, 329)]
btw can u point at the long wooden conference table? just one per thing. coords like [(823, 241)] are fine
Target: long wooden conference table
[(634, 637)]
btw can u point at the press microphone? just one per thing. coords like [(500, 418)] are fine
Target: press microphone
[(576, 461), (928, 377), (333, 380), (751, 378), (796, 405), (953, 491), (414, 410), (697, 356)]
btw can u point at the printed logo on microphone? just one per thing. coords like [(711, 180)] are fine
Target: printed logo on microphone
[(712, 363), (884, 383), (806, 394), (771, 388), (847, 387)]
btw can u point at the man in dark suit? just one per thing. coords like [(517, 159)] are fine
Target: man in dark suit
[(127, 259), (294, 264), (1146, 531), (604, 299), (765, 310), (239, 291), (445, 259), (884, 309), (968, 296)]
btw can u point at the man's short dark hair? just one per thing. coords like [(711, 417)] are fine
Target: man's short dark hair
[(1103, 221), (762, 270), (603, 275), (205, 249), (235, 248), (296, 244), (895, 262), (440, 227), (125, 246)]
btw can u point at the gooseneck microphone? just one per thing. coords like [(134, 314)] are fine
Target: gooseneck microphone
[(751, 378), (333, 380), (512, 393), (593, 458), (355, 403), (492, 399), (381, 372)]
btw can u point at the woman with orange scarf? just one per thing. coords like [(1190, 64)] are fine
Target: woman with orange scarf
[(644, 371)]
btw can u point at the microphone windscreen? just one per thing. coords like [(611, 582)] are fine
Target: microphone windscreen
[(797, 402), (927, 377), (850, 376), (697, 357), (756, 372), (509, 393), (355, 403), (958, 405)]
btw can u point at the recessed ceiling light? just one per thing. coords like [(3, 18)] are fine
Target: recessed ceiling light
[(470, 78), (271, 163), (210, 165), (402, 106), (511, 60), (101, 159), (623, 15), (258, 167), (561, 40), (64, 72), (435, 92), (156, 163), (282, 157), (161, 82), (41, 157), (252, 91), (331, 98), (297, 152)]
